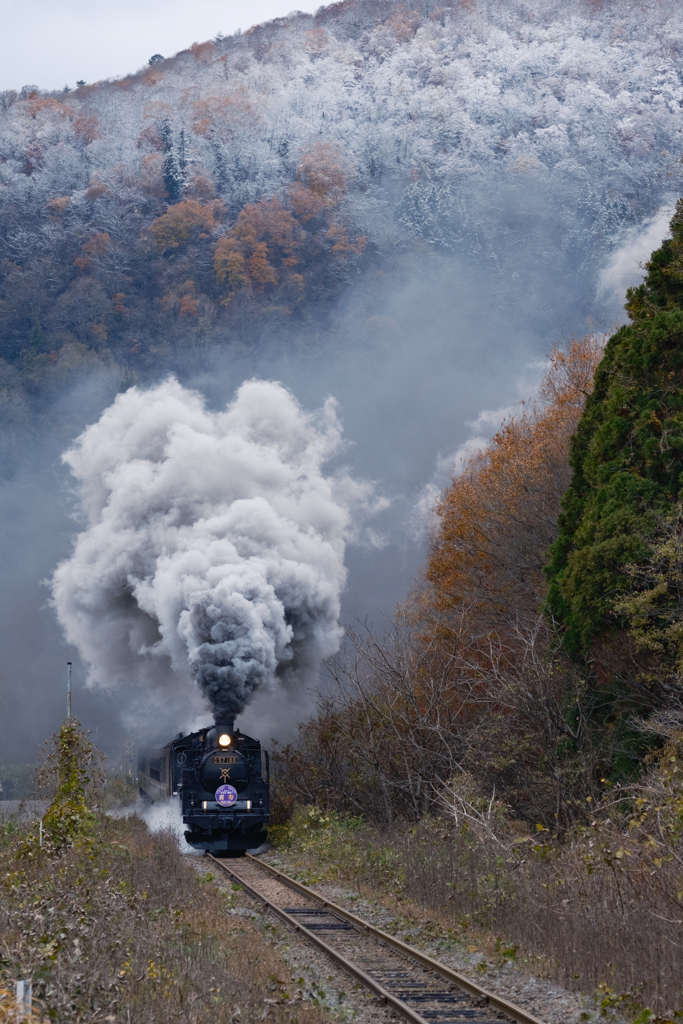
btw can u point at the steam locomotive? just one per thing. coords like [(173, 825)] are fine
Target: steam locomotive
[(222, 779)]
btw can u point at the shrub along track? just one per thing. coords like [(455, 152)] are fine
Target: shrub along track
[(414, 985)]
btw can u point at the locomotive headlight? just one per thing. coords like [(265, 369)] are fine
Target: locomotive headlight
[(224, 740)]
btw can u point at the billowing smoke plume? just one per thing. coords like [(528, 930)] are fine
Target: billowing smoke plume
[(214, 542)]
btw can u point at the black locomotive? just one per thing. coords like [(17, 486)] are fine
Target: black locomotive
[(221, 777)]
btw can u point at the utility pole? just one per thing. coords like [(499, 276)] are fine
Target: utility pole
[(68, 690)]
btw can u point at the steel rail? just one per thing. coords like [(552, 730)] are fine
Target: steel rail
[(496, 1002), (346, 965)]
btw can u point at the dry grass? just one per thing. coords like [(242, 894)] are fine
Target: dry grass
[(601, 912), (604, 930), (119, 928)]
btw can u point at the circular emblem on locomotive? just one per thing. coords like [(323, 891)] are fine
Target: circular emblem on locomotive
[(226, 795)]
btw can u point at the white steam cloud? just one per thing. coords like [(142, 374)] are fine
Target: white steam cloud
[(215, 544), (626, 266)]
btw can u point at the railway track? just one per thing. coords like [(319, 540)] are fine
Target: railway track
[(413, 984)]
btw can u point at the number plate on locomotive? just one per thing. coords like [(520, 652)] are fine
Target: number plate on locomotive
[(225, 760)]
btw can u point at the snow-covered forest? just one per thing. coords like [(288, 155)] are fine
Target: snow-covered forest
[(242, 186)]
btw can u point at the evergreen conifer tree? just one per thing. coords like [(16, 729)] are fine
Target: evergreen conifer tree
[(36, 338), (627, 457), (173, 169)]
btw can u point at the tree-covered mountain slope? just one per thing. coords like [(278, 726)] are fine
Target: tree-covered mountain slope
[(240, 187)]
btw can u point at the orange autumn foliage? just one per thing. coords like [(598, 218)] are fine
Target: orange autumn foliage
[(152, 77), (184, 301), (338, 234), (222, 113), (305, 203), (87, 129), (98, 244), (58, 205), (183, 220), (95, 248), (204, 52), (404, 23), (253, 254), (95, 189), (189, 306), (322, 181), (46, 105), (497, 519)]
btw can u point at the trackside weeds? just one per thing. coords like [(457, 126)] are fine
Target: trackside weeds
[(110, 925), (556, 928), (116, 928)]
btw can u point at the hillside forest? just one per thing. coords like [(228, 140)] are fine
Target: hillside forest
[(239, 190)]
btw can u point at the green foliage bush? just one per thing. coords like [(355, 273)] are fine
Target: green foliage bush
[(71, 765)]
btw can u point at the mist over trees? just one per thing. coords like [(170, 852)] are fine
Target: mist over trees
[(541, 684), (235, 191), (470, 686)]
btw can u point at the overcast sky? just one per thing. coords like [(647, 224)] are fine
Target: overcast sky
[(52, 44)]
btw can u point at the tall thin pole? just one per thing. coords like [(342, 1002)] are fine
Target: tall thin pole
[(68, 689)]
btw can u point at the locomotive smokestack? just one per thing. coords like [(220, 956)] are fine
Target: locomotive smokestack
[(225, 727)]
